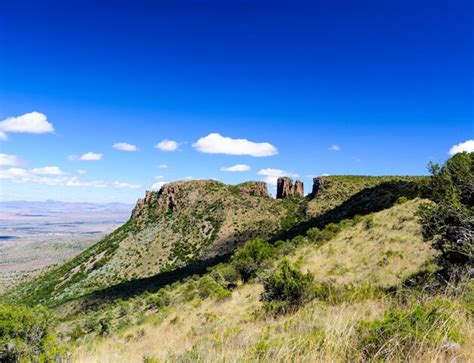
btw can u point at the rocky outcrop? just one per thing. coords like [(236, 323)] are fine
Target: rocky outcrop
[(255, 188), (286, 188), (318, 184)]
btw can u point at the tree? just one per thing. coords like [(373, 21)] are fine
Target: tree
[(450, 222)]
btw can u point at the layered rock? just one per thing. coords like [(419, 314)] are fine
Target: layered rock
[(286, 188)]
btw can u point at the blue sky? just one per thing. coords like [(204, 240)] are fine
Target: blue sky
[(335, 87)]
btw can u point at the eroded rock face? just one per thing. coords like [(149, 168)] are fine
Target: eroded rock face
[(255, 188), (286, 188), (318, 184)]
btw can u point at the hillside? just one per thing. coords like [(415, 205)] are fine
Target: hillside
[(181, 223), (360, 265), (197, 223)]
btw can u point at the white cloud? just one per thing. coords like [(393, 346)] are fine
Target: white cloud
[(215, 143), (76, 182), (36, 176), (238, 167), (81, 171), (90, 156), (335, 148), (48, 170), (271, 175), (189, 177), (163, 166), (167, 145), (15, 174), (9, 160), (33, 122), (123, 146), (122, 185), (467, 146), (157, 185), (3, 136), (159, 177)]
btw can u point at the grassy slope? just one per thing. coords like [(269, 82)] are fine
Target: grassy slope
[(213, 219), (381, 253)]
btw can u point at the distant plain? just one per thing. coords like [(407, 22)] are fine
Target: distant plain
[(35, 235)]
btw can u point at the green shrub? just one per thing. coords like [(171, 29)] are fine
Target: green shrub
[(368, 222), (159, 300), (286, 289), (401, 200), (225, 274), (253, 256), (449, 224), (26, 334), (403, 332)]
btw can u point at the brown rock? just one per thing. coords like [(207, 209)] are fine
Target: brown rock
[(318, 184), (286, 188), (298, 189), (255, 188)]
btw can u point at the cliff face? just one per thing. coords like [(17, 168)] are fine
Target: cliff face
[(318, 184), (286, 188)]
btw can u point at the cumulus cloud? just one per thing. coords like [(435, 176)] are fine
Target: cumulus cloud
[(48, 176), (467, 146), (236, 168), (335, 148), (271, 175), (167, 145), (9, 160), (122, 185), (91, 156), (33, 123), (76, 182), (215, 143), (48, 170), (14, 173), (157, 185), (163, 166), (124, 146)]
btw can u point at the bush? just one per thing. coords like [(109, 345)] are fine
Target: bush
[(450, 223), (253, 256), (159, 300), (286, 289), (225, 274), (26, 334), (402, 333)]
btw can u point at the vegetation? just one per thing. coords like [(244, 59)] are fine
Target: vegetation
[(250, 258), (286, 289), (327, 286), (27, 334), (450, 222)]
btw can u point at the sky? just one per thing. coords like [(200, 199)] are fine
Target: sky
[(102, 100)]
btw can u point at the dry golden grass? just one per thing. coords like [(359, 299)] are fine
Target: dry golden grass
[(381, 253), (234, 330)]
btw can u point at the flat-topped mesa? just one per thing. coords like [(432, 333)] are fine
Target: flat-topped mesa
[(318, 184), (174, 196), (286, 188)]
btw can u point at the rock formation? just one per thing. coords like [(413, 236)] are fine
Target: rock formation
[(318, 184), (286, 188), (255, 188)]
